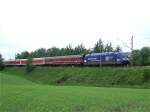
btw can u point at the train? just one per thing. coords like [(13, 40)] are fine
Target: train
[(92, 59)]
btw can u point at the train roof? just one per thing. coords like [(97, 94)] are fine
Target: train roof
[(105, 53), (23, 59), (68, 56), (54, 57), (15, 60)]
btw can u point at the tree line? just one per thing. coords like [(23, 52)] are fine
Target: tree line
[(68, 50), (141, 57)]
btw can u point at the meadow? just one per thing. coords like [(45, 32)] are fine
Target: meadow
[(19, 94)]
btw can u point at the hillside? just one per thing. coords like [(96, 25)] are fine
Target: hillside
[(21, 95), (95, 76)]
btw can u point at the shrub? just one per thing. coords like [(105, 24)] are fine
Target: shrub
[(1, 63), (29, 66), (146, 75), (141, 57)]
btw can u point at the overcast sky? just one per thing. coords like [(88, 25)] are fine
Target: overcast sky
[(31, 24)]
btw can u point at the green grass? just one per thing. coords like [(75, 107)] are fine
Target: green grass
[(138, 77), (18, 94)]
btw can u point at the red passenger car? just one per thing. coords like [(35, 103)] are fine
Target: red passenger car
[(64, 60), (12, 62), (23, 61), (38, 61), (58, 60), (17, 62)]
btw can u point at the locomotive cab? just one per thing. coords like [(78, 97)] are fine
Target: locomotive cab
[(106, 59), (123, 58)]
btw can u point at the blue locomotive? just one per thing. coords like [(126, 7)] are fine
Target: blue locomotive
[(107, 58)]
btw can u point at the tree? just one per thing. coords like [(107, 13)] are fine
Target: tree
[(69, 50), (41, 52), (108, 47), (54, 51), (135, 57), (18, 56), (80, 49), (99, 46), (1, 63), (23, 55), (145, 56), (141, 57), (29, 66), (118, 49), (62, 52)]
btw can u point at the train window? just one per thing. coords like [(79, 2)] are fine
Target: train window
[(111, 57), (107, 58)]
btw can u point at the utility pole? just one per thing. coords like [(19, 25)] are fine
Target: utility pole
[(100, 62), (130, 47), (100, 58), (131, 51), (131, 43)]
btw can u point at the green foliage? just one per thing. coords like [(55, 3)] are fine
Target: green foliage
[(118, 48), (29, 66), (38, 53), (145, 56), (68, 50), (1, 63), (22, 55), (108, 47), (123, 77), (80, 49), (141, 57), (146, 75), (21, 95), (54, 51), (136, 59), (99, 46)]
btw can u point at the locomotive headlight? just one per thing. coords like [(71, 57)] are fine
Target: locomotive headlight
[(85, 61)]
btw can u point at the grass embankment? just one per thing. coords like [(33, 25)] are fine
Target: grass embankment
[(18, 94), (121, 77)]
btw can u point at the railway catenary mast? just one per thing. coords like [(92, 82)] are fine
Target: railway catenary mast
[(131, 50)]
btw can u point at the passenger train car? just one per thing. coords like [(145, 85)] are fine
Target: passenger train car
[(64, 60), (93, 59), (22, 62)]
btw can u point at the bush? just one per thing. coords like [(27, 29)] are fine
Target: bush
[(29, 66), (145, 56), (1, 63), (141, 57), (146, 75)]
